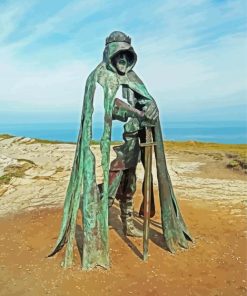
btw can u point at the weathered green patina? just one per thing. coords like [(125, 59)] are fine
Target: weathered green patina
[(83, 189)]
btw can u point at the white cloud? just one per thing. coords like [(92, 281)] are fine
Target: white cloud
[(183, 70), (11, 14), (59, 88)]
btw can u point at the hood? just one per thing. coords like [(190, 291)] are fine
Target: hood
[(111, 49)]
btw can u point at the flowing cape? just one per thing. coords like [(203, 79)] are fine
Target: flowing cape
[(83, 191)]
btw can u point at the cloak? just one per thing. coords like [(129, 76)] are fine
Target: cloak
[(83, 191)]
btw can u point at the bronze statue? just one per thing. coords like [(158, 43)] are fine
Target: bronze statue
[(142, 125)]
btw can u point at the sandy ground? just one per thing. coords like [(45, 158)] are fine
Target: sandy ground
[(214, 265), (212, 200)]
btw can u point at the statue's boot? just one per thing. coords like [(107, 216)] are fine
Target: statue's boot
[(129, 228)]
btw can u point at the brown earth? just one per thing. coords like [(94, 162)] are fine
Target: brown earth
[(209, 181), (214, 265)]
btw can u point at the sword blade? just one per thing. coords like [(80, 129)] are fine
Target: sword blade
[(147, 195)]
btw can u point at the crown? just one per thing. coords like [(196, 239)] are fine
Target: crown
[(117, 36)]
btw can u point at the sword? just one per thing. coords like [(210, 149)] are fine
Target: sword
[(120, 105), (148, 147)]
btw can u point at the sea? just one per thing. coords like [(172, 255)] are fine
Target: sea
[(227, 132)]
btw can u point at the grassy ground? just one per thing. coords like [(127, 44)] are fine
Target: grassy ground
[(42, 141), (5, 136), (17, 171), (234, 155)]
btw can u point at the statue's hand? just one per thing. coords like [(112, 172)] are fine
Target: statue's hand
[(151, 112)]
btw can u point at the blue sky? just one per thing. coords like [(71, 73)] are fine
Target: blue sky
[(191, 56)]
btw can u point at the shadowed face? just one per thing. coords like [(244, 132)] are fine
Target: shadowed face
[(121, 62)]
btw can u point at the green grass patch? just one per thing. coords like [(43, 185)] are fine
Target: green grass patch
[(235, 155), (200, 146), (15, 171), (5, 179), (5, 136), (42, 141)]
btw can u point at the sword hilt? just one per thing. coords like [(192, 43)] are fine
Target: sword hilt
[(148, 138)]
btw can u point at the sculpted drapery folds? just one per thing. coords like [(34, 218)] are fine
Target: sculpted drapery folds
[(139, 110)]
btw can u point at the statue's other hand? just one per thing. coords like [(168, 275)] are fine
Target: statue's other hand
[(151, 111)]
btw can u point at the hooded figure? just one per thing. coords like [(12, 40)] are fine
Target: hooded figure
[(118, 177)]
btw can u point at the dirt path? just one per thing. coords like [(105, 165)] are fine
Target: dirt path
[(214, 265)]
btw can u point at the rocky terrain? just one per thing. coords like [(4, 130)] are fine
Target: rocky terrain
[(210, 184), (35, 174)]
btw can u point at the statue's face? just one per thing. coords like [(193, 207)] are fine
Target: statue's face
[(121, 62)]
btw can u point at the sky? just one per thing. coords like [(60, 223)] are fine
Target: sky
[(191, 56)]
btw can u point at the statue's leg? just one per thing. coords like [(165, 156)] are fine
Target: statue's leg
[(125, 195), (123, 178)]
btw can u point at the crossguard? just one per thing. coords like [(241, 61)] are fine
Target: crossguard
[(148, 144), (149, 138)]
